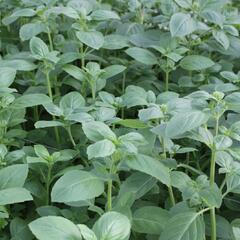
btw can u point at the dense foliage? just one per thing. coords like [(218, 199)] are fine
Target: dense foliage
[(120, 119)]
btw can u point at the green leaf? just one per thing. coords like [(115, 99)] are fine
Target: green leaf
[(232, 101), (236, 228), (213, 16), (14, 195), (232, 77), (54, 228), (184, 226), (101, 15), (53, 109), (115, 41), (18, 64), (92, 39), (13, 176), (150, 113), (138, 184), (222, 142), (67, 11), (196, 63), (65, 155), (19, 229), (183, 122), (3, 151), (222, 38), (7, 76), (113, 70), (101, 149), (87, 233), (132, 123), (149, 219), (29, 30), (71, 102), (96, 131), (233, 183), (31, 100), (148, 165), (142, 55), (79, 117), (77, 185), (112, 225), (184, 3), (24, 12), (38, 48), (135, 96), (41, 151), (179, 179), (74, 71), (133, 137), (46, 124), (181, 24), (212, 196)]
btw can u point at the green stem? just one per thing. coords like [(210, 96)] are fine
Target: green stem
[(35, 114), (166, 81), (71, 136), (51, 97), (109, 190), (212, 181), (50, 39), (48, 181), (225, 194), (171, 195), (56, 88), (170, 190), (217, 127), (49, 86), (109, 196), (123, 90), (223, 183), (190, 168), (213, 224), (164, 148), (82, 56), (83, 88), (212, 211), (187, 161), (93, 92)]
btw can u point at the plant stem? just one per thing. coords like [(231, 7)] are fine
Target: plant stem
[(212, 168), (123, 90), (166, 80), (109, 196), (71, 136), (164, 148), (213, 224), (212, 211), (212, 181), (170, 190), (82, 56), (35, 114), (49, 86), (56, 88), (48, 181), (109, 190), (190, 168), (50, 39), (223, 183), (51, 97), (93, 92), (171, 195), (217, 126)]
